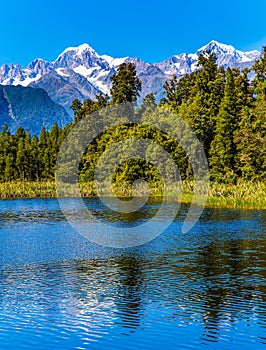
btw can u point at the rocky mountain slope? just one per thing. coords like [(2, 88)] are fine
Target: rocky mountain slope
[(80, 72), (30, 108)]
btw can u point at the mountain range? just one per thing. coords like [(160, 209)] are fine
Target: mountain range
[(80, 72)]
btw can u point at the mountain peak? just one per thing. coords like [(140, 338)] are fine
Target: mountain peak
[(80, 72), (217, 47), (78, 50), (84, 47)]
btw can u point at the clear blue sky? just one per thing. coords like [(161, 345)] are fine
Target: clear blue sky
[(152, 30)]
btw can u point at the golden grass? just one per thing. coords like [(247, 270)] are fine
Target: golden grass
[(245, 195), (19, 189)]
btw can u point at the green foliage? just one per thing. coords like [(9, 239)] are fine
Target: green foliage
[(201, 107), (260, 74), (224, 110), (222, 150), (125, 84), (178, 91), (27, 158), (81, 110), (250, 140)]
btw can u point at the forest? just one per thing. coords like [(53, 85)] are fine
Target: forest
[(226, 109)]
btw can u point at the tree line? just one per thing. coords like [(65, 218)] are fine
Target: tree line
[(225, 108)]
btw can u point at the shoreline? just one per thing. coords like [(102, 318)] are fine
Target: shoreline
[(243, 195)]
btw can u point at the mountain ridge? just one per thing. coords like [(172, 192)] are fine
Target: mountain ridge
[(76, 63), (80, 72), (30, 108)]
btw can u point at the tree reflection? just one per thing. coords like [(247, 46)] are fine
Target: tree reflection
[(130, 292), (116, 283), (225, 282)]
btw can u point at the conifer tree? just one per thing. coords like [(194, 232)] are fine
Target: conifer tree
[(250, 141), (21, 159), (178, 91), (125, 84), (35, 166), (9, 168), (201, 108), (223, 149), (260, 74), (42, 151)]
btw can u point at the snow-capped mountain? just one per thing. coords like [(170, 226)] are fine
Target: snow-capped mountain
[(227, 56), (80, 72)]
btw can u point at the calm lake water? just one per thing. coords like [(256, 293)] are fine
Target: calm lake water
[(203, 289)]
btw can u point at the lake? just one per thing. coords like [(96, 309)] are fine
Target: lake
[(202, 289)]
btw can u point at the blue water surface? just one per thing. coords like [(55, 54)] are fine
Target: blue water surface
[(203, 289)]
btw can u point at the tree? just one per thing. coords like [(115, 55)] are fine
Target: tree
[(9, 168), (259, 81), (223, 149), (250, 141), (126, 86), (178, 91), (244, 91), (149, 101), (81, 110), (201, 108), (21, 159), (42, 159), (35, 158), (147, 106), (76, 106)]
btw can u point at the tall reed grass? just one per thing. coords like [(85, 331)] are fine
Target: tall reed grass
[(246, 195), (16, 189)]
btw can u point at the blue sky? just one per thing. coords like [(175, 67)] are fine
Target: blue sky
[(152, 30)]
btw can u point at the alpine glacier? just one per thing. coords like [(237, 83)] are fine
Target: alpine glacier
[(80, 72)]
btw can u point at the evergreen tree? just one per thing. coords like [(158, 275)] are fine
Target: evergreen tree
[(250, 141), (225, 111), (149, 101), (202, 107), (9, 168), (223, 149), (244, 91), (28, 156), (21, 159), (259, 67), (35, 166), (125, 84), (76, 106), (42, 159), (178, 91), (81, 110)]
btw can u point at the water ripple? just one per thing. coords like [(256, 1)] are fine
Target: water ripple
[(177, 292)]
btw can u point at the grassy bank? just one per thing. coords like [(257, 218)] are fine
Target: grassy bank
[(246, 195)]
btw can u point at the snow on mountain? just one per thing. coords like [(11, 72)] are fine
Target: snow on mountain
[(217, 48), (222, 49), (227, 55), (114, 62), (80, 72), (179, 64), (79, 50), (82, 55)]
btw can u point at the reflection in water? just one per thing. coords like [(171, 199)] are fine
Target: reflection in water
[(59, 291), (130, 291)]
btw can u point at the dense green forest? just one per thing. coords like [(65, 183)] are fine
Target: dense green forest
[(225, 108)]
